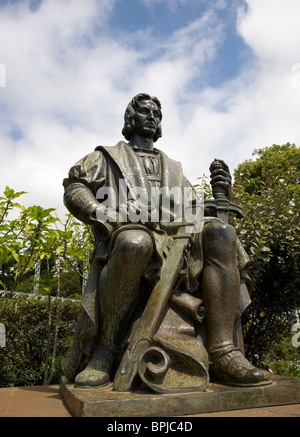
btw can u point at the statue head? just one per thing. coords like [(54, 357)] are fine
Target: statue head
[(129, 127)]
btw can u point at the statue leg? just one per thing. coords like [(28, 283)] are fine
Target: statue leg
[(118, 290), (220, 291)]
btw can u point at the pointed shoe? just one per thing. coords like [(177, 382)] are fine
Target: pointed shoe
[(232, 368)]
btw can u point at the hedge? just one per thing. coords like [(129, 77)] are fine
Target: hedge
[(22, 360)]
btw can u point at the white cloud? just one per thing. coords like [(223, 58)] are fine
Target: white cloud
[(69, 79), (271, 28), (262, 105), (66, 95), (59, 92)]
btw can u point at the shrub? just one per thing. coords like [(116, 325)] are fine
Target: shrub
[(283, 359), (22, 361), (268, 190)]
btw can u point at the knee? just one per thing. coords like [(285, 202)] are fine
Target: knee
[(219, 236), (134, 244), (219, 230)]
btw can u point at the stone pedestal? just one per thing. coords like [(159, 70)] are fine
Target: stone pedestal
[(104, 402)]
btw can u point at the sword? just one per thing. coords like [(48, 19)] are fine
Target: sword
[(220, 203), (154, 310)]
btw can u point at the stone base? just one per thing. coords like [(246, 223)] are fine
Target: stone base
[(104, 402)]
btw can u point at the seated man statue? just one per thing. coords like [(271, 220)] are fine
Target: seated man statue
[(161, 304)]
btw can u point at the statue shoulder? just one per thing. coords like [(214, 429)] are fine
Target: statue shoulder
[(92, 167), (112, 149)]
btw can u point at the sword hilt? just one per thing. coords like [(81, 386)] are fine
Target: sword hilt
[(225, 206), (221, 203), (219, 193)]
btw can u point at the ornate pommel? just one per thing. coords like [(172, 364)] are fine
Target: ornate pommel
[(220, 203)]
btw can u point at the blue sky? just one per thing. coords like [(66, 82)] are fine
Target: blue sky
[(227, 73), (162, 18)]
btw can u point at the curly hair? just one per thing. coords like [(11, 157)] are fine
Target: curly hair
[(128, 128)]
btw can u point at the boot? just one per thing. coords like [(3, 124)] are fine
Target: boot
[(232, 368), (221, 291), (98, 371)]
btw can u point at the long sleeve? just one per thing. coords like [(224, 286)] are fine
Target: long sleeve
[(85, 178)]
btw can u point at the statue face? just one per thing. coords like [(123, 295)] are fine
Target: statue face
[(147, 118)]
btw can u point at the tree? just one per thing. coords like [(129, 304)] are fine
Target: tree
[(22, 239), (69, 246), (269, 191), (37, 235)]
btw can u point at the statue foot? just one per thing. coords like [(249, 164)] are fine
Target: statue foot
[(97, 372), (90, 378), (232, 368)]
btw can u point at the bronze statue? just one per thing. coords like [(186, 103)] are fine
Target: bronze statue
[(163, 301)]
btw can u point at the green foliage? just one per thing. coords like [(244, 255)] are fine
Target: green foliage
[(285, 350), (63, 249), (23, 360), (272, 163), (268, 190), (284, 368), (283, 359), (23, 240), (203, 188), (37, 234)]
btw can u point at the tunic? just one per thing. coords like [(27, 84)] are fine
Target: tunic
[(107, 167)]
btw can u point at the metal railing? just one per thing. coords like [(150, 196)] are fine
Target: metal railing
[(15, 294)]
